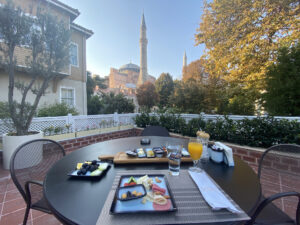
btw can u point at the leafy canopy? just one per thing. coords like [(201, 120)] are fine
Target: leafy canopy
[(242, 38), (56, 109), (282, 96), (109, 103), (47, 41), (146, 95), (164, 87)]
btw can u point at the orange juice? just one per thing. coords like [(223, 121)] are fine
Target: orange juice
[(195, 150)]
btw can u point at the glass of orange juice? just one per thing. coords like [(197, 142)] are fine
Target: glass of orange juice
[(195, 149)]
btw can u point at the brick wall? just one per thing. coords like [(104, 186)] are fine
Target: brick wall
[(279, 162), (74, 144)]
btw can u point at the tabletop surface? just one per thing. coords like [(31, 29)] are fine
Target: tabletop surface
[(77, 201)]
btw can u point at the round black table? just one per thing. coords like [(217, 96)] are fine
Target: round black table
[(76, 201)]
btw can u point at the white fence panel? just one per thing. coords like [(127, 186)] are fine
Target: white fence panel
[(86, 122), (93, 121)]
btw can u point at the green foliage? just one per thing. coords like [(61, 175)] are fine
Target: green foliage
[(257, 132), (94, 105), (56, 109), (195, 70), (4, 110), (242, 38), (90, 85), (116, 103), (164, 87), (48, 42), (109, 103), (189, 96), (147, 96), (282, 95), (92, 82)]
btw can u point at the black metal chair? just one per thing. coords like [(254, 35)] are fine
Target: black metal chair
[(28, 167), (279, 176), (155, 131)]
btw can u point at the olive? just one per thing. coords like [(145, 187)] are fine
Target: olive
[(84, 165), (83, 171)]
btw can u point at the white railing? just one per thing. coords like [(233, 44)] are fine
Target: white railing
[(85, 122)]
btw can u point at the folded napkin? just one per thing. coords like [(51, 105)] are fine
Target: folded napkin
[(227, 152), (211, 193)]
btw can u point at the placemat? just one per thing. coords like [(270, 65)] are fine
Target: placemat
[(192, 208)]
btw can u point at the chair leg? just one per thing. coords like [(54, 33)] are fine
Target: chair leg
[(26, 215)]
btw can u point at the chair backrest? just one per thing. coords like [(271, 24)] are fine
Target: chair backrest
[(31, 161), (279, 171), (155, 131)]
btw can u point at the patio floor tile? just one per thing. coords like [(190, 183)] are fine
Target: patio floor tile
[(46, 219), (13, 205), (11, 195), (15, 217)]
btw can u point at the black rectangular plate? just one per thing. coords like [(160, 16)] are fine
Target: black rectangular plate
[(113, 205), (88, 176)]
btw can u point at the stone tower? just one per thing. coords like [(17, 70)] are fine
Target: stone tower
[(184, 64), (143, 53), (184, 60)]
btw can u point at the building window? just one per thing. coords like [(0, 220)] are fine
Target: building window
[(73, 54), (67, 96)]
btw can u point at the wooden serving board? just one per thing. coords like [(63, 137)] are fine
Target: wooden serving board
[(123, 158)]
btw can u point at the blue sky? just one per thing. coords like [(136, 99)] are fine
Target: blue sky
[(171, 25)]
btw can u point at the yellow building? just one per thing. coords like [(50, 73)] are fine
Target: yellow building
[(70, 87)]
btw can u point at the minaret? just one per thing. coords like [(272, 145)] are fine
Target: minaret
[(143, 53), (184, 60), (184, 64)]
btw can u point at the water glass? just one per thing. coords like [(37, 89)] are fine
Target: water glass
[(174, 159)]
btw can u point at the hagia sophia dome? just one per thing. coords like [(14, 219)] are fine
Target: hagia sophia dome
[(131, 67)]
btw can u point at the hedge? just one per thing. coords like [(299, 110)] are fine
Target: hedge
[(257, 132)]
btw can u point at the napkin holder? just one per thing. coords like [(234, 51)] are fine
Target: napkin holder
[(221, 153), (145, 141), (216, 155)]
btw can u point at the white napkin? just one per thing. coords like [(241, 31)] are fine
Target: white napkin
[(211, 193), (227, 151)]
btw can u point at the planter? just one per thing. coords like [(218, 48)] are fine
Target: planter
[(10, 144)]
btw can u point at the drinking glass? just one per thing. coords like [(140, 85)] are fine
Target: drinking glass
[(195, 149), (174, 159)]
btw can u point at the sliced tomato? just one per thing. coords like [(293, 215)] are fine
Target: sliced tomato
[(129, 184)]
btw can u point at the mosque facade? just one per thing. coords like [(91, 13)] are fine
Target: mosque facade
[(130, 76)]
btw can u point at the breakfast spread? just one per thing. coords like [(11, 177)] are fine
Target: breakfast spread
[(148, 152), (140, 153), (90, 168), (155, 196)]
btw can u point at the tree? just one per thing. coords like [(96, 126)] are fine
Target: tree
[(48, 42), (189, 96), (56, 109), (94, 82), (164, 87), (94, 105), (195, 70), (146, 95), (242, 39), (90, 85), (116, 103), (99, 81), (282, 96)]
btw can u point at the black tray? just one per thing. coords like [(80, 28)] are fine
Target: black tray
[(135, 206), (74, 172)]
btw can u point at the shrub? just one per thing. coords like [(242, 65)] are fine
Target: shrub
[(258, 132), (56, 109)]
